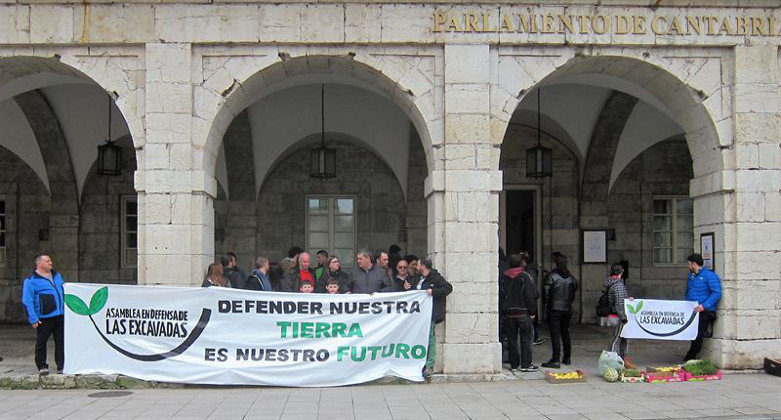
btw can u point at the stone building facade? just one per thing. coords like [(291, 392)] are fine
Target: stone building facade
[(664, 122)]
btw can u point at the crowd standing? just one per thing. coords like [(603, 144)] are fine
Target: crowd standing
[(377, 272), (43, 296)]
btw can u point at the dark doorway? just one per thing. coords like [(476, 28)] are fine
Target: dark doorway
[(519, 221)]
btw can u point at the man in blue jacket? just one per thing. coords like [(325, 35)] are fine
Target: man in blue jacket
[(43, 298), (702, 286)]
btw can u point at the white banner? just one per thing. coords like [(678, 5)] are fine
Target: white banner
[(660, 319), (227, 336)]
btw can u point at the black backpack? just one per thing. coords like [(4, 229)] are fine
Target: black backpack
[(603, 306)]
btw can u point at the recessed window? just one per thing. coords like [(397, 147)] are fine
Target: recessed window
[(331, 226), (3, 228), (673, 227), (129, 231)]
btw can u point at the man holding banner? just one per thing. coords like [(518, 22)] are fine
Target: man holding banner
[(702, 286)]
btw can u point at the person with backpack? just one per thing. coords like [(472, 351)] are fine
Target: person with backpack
[(560, 293), (702, 286), (616, 294), (519, 309)]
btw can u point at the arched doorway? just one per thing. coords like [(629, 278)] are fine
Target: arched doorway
[(54, 119), (280, 105), (628, 140)]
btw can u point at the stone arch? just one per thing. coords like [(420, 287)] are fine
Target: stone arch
[(116, 74), (381, 209), (231, 84), (26, 79), (684, 88)]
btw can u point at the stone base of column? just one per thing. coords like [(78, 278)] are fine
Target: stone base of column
[(472, 358), (740, 354)]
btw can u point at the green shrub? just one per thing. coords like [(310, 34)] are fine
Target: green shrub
[(701, 367)]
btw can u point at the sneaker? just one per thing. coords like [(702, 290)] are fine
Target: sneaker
[(538, 341), (551, 364), (427, 372), (530, 368), (566, 361), (43, 371), (59, 371)]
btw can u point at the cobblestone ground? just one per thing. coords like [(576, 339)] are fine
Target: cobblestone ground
[(737, 396)]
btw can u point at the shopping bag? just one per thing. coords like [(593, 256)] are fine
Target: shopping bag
[(609, 359)]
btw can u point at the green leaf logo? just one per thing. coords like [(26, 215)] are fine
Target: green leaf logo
[(99, 300), (76, 305), (95, 305), (635, 309)]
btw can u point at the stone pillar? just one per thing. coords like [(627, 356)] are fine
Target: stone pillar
[(462, 194), (595, 190), (175, 227), (749, 325)]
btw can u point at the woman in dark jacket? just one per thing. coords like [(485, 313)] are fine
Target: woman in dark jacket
[(334, 271)]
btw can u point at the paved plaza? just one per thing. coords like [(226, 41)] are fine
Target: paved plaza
[(514, 396), (737, 396)]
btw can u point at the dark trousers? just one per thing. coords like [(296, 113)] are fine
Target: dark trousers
[(694, 350), (519, 326), (49, 326), (558, 323)]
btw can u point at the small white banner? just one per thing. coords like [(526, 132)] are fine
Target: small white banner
[(660, 319), (227, 336)]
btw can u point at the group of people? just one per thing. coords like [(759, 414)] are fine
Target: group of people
[(518, 307), (374, 272), (388, 272), (518, 294), (702, 286), (43, 296)]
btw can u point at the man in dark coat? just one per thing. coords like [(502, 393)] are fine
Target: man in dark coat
[(237, 277), (367, 277), (520, 308), (437, 287)]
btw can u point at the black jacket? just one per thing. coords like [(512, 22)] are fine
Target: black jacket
[(237, 277), (560, 291), (440, 288), (398, 283), (291, 280), (341, 276), (520, 293)]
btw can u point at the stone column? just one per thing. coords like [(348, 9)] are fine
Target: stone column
[(462, 193), (749, 325), (175, 225)]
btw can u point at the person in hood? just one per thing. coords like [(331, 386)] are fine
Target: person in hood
[(560, 293), (616, 293), (437, 287), (43, 298), (519, 308)]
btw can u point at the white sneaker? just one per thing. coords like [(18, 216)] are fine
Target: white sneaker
[(43, 371)]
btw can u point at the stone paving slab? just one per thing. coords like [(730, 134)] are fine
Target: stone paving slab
[(754, 396)]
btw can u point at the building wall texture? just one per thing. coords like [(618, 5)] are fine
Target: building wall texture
[(182, 72)]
